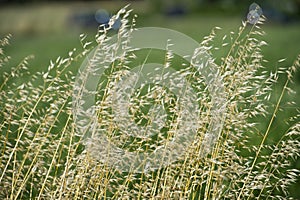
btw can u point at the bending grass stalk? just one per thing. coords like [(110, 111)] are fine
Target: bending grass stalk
[(29, 118), (22, 132), (273, 169), (26, 177), (54, 156), (265, 136)]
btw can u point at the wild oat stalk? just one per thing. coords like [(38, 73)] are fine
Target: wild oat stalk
[(45, 154)]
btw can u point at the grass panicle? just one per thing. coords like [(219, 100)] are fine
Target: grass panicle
[(52, 146)]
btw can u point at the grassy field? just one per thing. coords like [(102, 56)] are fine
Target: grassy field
[(40, 31), (50, 35), (37, 30)]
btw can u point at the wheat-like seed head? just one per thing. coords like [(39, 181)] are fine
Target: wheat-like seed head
[(54, 142)]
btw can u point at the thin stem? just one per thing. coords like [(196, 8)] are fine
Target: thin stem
[(265, 136)]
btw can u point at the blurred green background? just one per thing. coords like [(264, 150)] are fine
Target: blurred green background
[(48, 29)]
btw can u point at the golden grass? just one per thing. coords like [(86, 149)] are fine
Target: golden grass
[(47, 154)]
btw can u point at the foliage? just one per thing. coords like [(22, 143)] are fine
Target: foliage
[(45, 154)]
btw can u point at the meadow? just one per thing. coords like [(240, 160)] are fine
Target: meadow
[(49, 36)]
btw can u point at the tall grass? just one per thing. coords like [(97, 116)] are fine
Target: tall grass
[(47, 154)]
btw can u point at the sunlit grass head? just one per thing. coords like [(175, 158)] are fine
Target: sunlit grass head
[(191, 126)]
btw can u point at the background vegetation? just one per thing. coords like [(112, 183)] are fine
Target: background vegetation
[(47, 31)]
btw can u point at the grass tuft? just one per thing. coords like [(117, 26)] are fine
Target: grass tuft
[(50, 151)]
